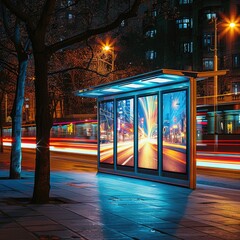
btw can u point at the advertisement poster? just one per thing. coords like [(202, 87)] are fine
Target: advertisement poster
[(174, 137), (106, 132), (125, 132), (148, 132)]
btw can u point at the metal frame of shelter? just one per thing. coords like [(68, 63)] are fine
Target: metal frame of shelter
[(147, 125)]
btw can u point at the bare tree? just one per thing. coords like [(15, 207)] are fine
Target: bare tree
[(49, 31), (15, 34)]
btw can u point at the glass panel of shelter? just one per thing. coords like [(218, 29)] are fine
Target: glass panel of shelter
[(173, 145), (106, 132)]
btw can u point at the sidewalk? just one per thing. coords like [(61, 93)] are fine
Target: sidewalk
[(100, 206)]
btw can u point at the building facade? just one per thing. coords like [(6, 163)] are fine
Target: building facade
[(181, 34)]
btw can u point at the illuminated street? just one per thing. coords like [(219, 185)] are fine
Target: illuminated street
[(174, 160), (59, 161), (174, 157), (125, 154), (71, 145), (148, 155), (106, 153), (77, 162), (228, 160)]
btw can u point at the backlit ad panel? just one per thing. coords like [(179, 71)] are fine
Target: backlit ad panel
[(125, 132), (148, 132), (106, 132), (174, 157)]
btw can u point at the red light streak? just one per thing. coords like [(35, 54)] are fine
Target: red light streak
[(218, 159)]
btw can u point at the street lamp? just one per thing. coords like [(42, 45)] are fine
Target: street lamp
[(108, 48), (215, 83), (215, 69), (232, 25)]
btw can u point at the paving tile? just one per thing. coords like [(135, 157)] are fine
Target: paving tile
[(34, 221), (141, 232), (16, 233), (166, 225), (4, 219), (102, 233), (79, 224), (111, 207), (192, 224), (18, 212), (11, 224), (217, 232), (58, 235), (45, 228), (183, 232)]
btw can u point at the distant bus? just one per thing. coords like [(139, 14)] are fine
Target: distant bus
[(79, 130)]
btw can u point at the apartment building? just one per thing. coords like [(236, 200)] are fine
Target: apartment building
[(185, 34)]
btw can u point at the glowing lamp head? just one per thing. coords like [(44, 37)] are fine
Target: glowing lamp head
[(232, 25), (106, 48)]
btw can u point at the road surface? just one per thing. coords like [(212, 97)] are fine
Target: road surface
[(60, 161), (88, 163)]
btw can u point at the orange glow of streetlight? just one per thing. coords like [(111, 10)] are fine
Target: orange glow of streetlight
[(106, 47), (232, 25)]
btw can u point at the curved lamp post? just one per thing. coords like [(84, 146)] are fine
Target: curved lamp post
[(215, 68), (108, 48)]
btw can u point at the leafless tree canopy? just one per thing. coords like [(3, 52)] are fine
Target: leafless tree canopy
[(52, 26)]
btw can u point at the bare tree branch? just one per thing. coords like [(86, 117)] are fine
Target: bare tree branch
[(8, 66), (45, 17), (92, 32), (79, 69), (16, 11)]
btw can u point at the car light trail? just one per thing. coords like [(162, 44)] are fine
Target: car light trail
[(216, 160), (211, 164), (79, 150), (74, 150)]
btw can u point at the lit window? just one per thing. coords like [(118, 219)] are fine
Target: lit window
[(187, 47), (207, 64), (154, 13), (236, 61), (185, 1), (236, 87), (211, 16), (122, 23), (69, 2), (151, 33), (184, 23), (151, 54), (207, 40), (70, 18)]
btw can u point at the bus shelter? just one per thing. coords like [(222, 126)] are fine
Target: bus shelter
[(147, 125)]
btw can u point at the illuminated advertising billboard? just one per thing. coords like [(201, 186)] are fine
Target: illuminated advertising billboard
[(106, 118), (174, 157), (125, 132), (148, 132)]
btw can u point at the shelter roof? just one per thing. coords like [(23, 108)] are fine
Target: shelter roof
[(153, 79)]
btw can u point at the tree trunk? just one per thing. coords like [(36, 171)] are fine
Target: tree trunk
[(43, 126), (16, 114)]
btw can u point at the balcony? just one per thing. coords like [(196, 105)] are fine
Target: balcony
[(229, 98)]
